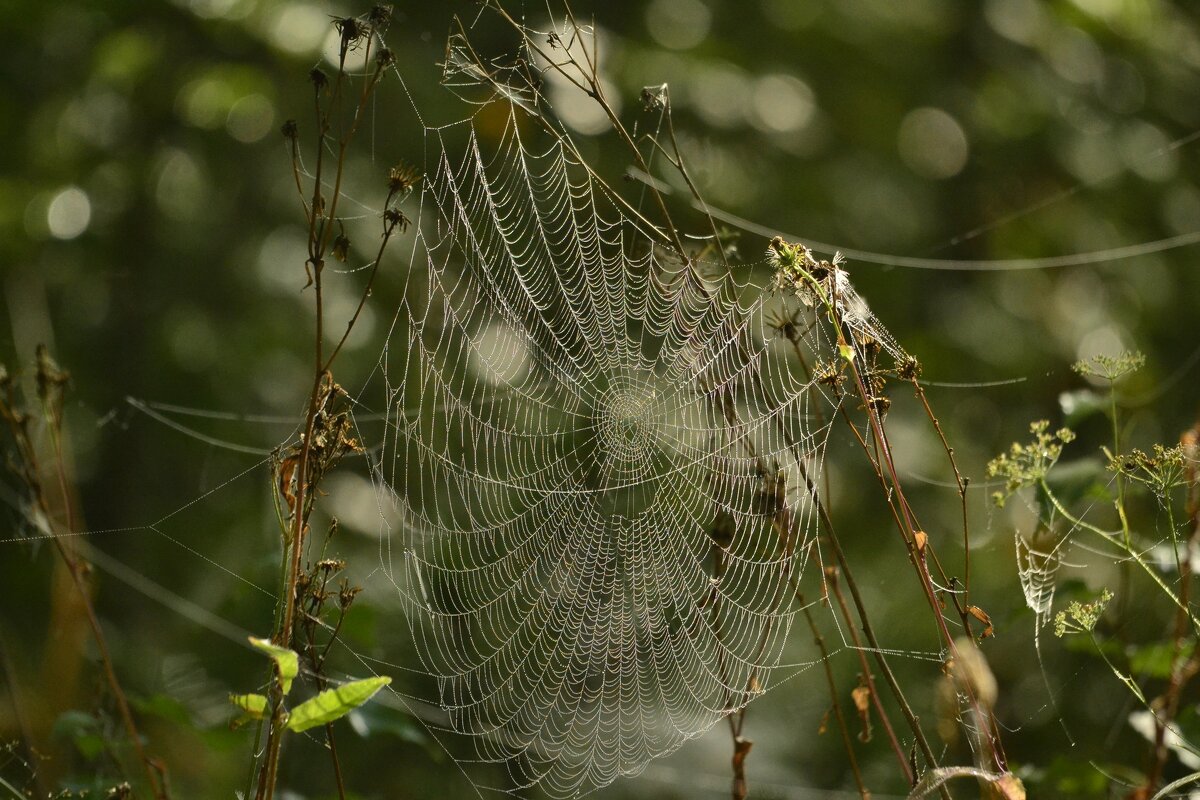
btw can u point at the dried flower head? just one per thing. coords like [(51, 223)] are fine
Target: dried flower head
[(909, 368), (380, 15), (797, 272), (347, 593), (395, 218), (402, 178), (352, 31)]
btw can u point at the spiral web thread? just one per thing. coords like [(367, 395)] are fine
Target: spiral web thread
[(606, 494), (603, 492)]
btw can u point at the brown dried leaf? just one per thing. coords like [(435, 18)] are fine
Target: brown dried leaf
[(981, 615)]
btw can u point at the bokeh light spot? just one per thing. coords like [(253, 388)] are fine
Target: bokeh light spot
[(69, 213), (250, 118), (932, 143), (678, 24), (783, 103)]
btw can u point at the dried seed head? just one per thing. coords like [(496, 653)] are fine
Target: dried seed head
[(341, 247), (909, 369), (290, 130), (385, 58), (380, 15), (347, 593), (395, 218), (319, 79), (402, 178), (351, 31)]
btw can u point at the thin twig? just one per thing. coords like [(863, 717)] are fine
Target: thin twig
[(819, 640)]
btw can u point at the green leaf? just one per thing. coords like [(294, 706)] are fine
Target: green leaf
[(846, 351), (164, 707), (334, 703), (253, 704), (1154, 660), (286, 661), (83, 730)]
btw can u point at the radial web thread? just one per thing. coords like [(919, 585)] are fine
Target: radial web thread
[(604, 493)]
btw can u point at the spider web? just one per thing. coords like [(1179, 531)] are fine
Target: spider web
[(603, 493), (592, 451)]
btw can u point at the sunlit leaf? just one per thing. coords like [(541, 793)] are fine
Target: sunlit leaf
[(253, 704), (286, 661), (334, 703)]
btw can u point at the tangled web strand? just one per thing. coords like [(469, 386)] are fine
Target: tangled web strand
[(603, 492)]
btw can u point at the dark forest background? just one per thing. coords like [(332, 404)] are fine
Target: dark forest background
[(150, 235)]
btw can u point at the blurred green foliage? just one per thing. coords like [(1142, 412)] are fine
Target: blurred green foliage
[(149, 232)]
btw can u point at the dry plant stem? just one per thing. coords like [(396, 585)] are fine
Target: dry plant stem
[(874, 459), (316, 664), (962, 493), (76, 569), (681, 166), (320, 229), (914, 722), (819, 640), (337, 765), (18, 709), (917, 552), (1166, 705), (872, 451), (831, 581), (388, 230)]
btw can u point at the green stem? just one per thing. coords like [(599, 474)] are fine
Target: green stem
[(1123, 546)]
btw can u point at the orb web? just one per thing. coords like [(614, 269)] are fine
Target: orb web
[(603, 488)]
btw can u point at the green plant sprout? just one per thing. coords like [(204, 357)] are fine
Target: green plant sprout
[(323, 708)]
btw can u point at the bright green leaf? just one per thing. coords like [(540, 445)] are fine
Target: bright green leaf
[(286, 661), (253, 704), (846, 351), (334, 703)]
